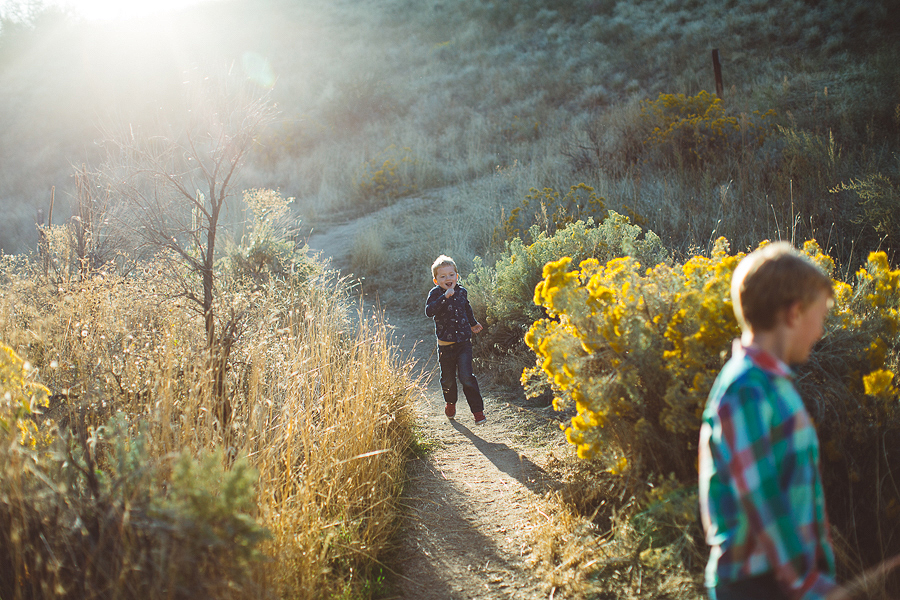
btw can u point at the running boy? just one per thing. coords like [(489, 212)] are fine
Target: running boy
[(454, 324), (761, 499)]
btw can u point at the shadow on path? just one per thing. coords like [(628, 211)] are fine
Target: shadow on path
[(442, 534), (507, 460)]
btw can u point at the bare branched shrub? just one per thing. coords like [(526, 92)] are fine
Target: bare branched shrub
[(174, 184)]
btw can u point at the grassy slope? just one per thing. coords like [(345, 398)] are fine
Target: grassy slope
[(465, 86), (489, 101), (473, 104)]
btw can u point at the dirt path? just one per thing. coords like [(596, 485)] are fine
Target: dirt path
[(470, 500)]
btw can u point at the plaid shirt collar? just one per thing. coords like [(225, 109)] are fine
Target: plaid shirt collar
[(764, 360)]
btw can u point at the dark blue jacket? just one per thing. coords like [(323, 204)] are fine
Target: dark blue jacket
[(453, 317)]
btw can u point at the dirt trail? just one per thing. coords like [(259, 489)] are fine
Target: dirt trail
[(470, 501)]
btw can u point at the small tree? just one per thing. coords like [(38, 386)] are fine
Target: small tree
[(174, 181)]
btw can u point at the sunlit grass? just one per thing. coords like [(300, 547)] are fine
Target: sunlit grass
[(320, 410)]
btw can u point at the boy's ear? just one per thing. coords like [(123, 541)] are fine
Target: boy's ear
[(791, 313)]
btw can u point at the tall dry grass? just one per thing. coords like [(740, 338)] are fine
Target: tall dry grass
[(320, 413), (586, 544), (329, 433)]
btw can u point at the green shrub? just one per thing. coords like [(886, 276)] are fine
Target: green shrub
[(503, 293), (92, 516), (634, 352), (268, 249), (550, 212)]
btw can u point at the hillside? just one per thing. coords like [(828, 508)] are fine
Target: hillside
[(447, 92)]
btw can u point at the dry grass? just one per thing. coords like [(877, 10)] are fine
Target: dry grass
[(368, 253), (587, 545), (331, 456), (320, 408)]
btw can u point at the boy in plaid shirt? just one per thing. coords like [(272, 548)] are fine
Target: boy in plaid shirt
[(761, 498)]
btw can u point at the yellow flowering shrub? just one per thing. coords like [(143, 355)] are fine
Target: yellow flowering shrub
[(695, 130), (696, 335), (387, 176), (635, 350), (850, 387), (865, 321), (20, 397), (631, 352)]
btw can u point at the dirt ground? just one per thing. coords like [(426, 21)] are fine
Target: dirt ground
[(472, 499)]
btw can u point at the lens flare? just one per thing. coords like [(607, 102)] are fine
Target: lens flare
[(258, 69)]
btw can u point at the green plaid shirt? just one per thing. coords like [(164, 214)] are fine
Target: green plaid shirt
[(761, 497)]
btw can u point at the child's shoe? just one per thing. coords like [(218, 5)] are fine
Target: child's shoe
[(450, 410), (480, 419)]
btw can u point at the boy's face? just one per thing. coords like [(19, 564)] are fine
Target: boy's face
[(809, 327), (446, 277)]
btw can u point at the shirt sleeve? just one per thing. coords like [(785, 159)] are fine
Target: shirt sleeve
[(761, 457), (435, 303)]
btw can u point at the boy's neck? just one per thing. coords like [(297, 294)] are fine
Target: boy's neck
[(774, 341)]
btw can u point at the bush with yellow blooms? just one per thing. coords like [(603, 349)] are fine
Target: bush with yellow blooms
[(20, 397), (631, 352), (695, 131)]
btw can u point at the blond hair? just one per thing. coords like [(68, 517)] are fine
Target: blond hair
[(773, 278), (443, 261)]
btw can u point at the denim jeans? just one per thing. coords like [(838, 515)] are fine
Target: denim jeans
[(456, 359), (761, 587)]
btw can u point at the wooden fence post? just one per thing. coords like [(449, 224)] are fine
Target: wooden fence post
[(717, 68)]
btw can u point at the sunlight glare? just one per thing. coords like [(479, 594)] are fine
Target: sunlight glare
[(114, 10)]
